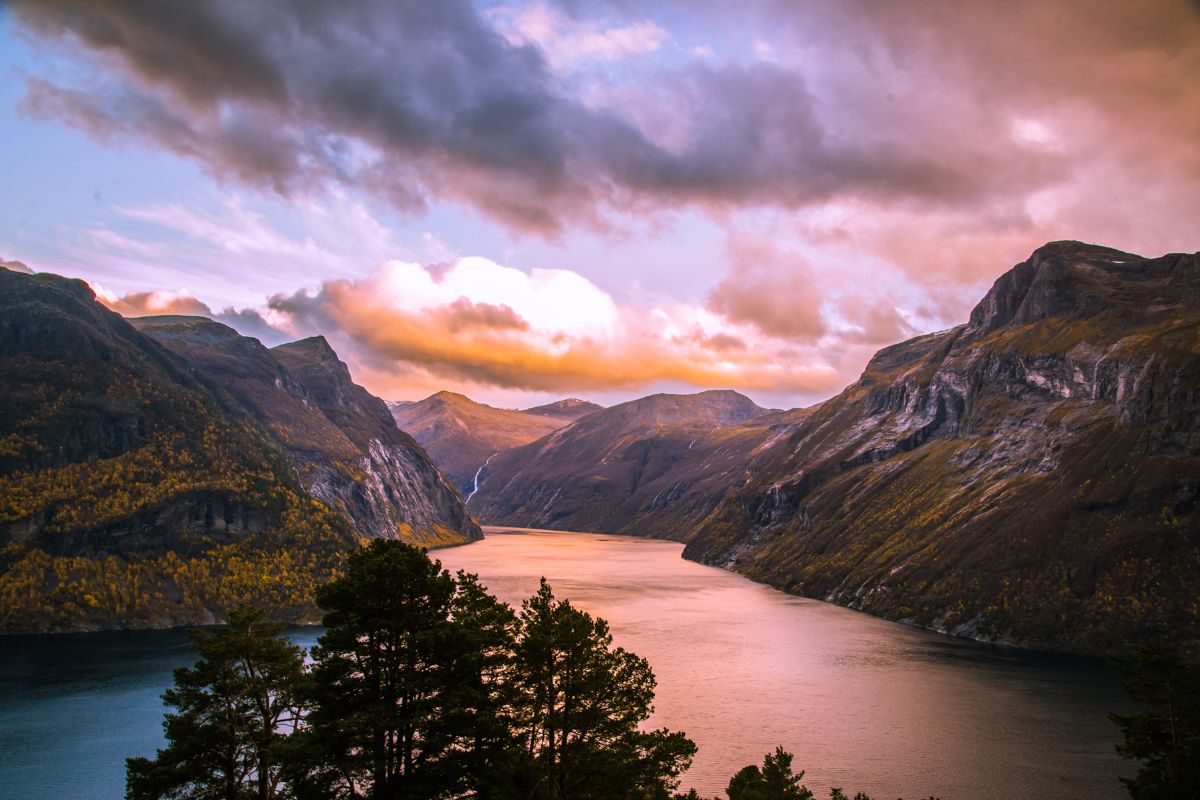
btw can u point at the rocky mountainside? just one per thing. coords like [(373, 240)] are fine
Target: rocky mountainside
[(343, 443), (461, 435), (655, 466), (1031, 476), (141, 488)]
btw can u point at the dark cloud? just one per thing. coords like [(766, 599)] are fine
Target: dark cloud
[(418, 100)]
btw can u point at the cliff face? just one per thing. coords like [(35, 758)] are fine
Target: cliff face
[(339, 438), (148, 484), (112, 444), (1031, 476), (396, 490)]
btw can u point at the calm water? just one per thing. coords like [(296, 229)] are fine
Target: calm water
[(864, 704)]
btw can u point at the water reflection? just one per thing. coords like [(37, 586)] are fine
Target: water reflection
[(863, 703)]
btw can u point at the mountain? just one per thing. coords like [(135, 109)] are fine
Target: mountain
[(461, 435), (139, 488), (652, 466), (1031, 476), (342, 440), (571, 409)]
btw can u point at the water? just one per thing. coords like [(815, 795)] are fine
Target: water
[(864, 704)]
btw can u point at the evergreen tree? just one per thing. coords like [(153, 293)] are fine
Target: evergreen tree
[(382, 681), (233, 708), (486, 696), (582, 703), (1165, 735), (773, 781)]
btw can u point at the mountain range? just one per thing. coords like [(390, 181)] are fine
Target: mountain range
[(1031, 476), (157, 471), (461, 435)]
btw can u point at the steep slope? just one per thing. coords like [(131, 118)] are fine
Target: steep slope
[(132, 491), (570, 409), (344, 445), (654, 466), (139, 488), (1031, 476), (461, 435)]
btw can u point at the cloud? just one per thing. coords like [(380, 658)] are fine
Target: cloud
[(568, 41), (15, 266), (771, 290), (482, 323), (413, 102)]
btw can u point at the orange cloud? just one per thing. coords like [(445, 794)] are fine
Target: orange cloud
[(558, 333)]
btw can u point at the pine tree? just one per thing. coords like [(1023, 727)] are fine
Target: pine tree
[(382, 681), (583, 701), (233, 708), (775, 780), (485, 695)]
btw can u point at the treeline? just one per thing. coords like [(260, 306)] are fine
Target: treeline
[(426, 687)]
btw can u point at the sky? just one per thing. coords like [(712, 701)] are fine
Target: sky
[(527, 201)]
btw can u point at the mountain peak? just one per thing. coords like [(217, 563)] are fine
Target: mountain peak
[(1063, 278), (314, 347), (194, 328)]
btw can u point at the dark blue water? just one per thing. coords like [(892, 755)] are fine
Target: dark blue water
[(74, 707)]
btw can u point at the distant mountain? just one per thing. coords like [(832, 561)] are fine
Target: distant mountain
[(461, 435), (1031, 476), (653, 466), (570, 409), (150, 480)]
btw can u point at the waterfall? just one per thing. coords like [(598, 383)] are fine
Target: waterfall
[(479, 472)]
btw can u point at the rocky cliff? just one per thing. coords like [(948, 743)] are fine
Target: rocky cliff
[(343, 443), (1031, 476)]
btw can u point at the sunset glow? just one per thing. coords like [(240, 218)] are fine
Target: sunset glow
[(523, 201)]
